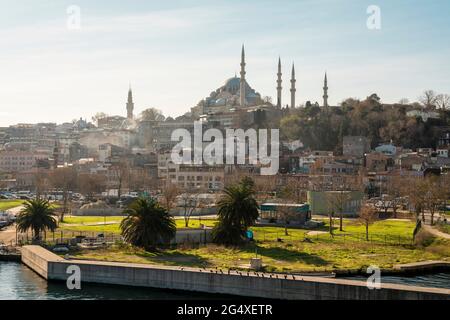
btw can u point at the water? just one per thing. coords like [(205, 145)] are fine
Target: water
[(18, 282), (437, 280)]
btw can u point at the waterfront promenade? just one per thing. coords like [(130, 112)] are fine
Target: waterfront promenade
[(250, 284)]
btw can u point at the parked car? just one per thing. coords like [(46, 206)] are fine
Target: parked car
[(61, 249)]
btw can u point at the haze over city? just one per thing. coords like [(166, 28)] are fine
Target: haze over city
[(175, 53)]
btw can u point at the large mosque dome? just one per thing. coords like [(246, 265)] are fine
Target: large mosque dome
[(229, 93), (228, 96)]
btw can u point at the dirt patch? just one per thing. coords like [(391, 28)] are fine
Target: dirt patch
[(314, 233)]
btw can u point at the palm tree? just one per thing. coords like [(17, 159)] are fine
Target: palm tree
[(37, 215), (147, 225), (238, 210)]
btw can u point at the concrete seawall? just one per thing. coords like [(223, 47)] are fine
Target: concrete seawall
[(53, 267)]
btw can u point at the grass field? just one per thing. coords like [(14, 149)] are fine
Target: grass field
[(82, 224), (293, 254), (8, 204)]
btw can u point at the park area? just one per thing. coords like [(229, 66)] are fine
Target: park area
[(302, 250)]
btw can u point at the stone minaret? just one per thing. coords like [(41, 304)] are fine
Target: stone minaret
[(242, 84), (325, 92), (279, 81), (130, 104), (55, 155), (293, 90)]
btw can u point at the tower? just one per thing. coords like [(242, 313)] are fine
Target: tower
[(130, 104), (279, 82), (55, 155), (242, 83), (293, 90), (325, 92)]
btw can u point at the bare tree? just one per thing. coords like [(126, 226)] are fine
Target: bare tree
[(152, 114), (189, 202), (436, 195), (443, 101), (428, 99), (396, 190), (169, 194), (121, 172), (286, 195), (41, 182), (416, 189), (265, 187), (368, 215), (65, 180), (91, 184), (338, 202), (98, 116)]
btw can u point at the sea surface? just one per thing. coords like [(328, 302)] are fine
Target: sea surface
[(18, 282)]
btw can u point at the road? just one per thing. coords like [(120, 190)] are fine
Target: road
[(8, 234), (436, 232)]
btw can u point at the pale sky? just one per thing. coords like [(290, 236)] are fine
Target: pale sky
[(174, 53)]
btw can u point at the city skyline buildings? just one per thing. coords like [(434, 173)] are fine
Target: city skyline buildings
[(54, 74)]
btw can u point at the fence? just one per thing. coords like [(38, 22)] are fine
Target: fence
[(194, 238), (67, 238), (268, 236)]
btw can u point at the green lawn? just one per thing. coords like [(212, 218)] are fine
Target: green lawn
[(84, 222), (8, 204), (292, 254), (90, 219)]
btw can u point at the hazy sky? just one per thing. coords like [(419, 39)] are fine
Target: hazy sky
[(175, 53)]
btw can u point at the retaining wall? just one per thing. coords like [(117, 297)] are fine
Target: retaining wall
[(53, 267)]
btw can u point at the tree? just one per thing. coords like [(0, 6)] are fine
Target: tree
[(147, 224), (265, 187), (238, 210), (395, 190), (287, 194), (417, 192), (41, 182), (367, 216), (337, 202), (190, 201), (98, 116), (91, 184), (152, 114), (428, 99), (65, 180), (122, 174), (169, 194), (443, 101), (37, 215), (436, 195)]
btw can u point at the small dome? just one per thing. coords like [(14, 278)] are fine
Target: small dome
[(233, 82)]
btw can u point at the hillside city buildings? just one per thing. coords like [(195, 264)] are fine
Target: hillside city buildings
[(133, 152)]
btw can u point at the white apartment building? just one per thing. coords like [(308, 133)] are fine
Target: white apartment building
[(17, 161), (202, 177)]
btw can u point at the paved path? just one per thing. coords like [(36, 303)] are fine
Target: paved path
[(9, 234), (436, 232)]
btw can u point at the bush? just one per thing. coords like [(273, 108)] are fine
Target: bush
[(424, 239)]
